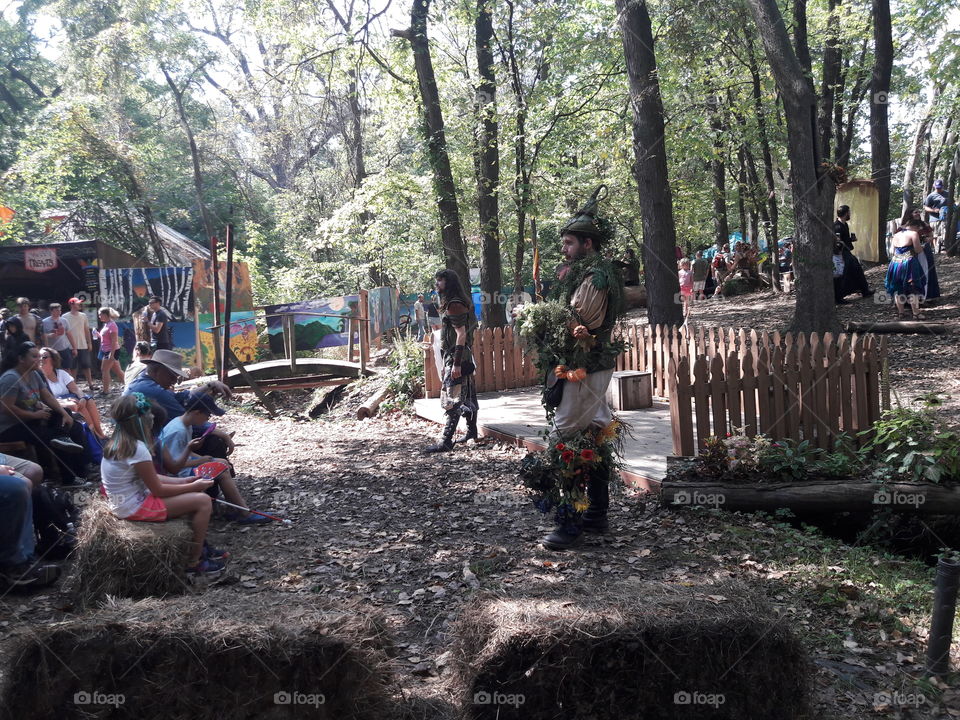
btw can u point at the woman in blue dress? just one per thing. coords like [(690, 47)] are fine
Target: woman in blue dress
[(905, 280)]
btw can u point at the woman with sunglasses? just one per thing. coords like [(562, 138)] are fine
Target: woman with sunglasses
[(64, 388), (30, 413)]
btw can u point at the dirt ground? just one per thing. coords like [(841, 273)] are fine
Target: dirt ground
[(414, 537)]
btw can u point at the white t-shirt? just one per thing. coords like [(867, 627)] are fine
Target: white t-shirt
[(79, 330), (59, 387), (125, 490)]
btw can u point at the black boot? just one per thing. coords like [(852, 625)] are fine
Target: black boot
[(568, 532), (595, 517), (561, 538), (472, 433), (446, 442)]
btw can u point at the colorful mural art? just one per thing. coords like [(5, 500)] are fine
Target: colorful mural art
[(243, 329), (129, 289), (323, 322)]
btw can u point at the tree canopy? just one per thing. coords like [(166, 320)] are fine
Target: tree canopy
[(303, 124)]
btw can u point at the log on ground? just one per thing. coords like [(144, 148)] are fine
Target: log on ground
[(815, 496), (899, 326)]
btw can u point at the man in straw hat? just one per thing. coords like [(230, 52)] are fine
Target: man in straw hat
[(164, 370), (592, 287)]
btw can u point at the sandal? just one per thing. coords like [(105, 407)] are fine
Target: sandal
[(919, 316)]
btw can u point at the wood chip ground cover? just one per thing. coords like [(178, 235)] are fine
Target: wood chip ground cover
[(416, 537)]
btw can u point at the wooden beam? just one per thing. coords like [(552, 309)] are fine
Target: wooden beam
[(899, 326), (250, 381)]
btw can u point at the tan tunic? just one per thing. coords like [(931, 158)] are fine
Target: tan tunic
[(589, 303)]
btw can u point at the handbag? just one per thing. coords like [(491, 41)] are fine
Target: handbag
[(553, 394)]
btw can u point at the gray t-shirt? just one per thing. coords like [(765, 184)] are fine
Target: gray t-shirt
[(51, 326), (24, 391)]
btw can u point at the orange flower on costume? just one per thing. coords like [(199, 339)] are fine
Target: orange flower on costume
[(587, 455), (567, 456), (560, 446)]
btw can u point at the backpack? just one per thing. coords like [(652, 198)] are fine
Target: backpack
[(55, 517)]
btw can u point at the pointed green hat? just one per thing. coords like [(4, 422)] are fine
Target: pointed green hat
[(585, 221)]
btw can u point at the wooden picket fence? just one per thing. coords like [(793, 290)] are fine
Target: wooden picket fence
[(501, 364), (799, 387)]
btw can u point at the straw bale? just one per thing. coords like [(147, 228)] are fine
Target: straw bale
[(654, 652)]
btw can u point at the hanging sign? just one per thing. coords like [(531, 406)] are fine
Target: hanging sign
[(40, 259)]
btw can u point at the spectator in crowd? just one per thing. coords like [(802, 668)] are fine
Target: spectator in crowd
[(786, 257), (109, 347), (30, 413), (164, 370), (838, 266), (686, 284), (30, 322), (179, 453), (135, 492), (926, 259), (933, 205), (159, 323), (13, 336), (854, 279), (57, 336), (701, 269), (64, 388), (420, 315), (18, 565), (722, 265), (141, 353), (629, 268), (81, 340)]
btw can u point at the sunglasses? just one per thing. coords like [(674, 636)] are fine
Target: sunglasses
[(44, 356)]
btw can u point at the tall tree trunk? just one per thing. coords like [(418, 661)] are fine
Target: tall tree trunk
[(194, 154), (451, 232), (488, 171), (650, 167), (879, 126), (773, 212), (909, 171), (812, 191), (832, 56), (935, 152), (721, 228), (742, 193)]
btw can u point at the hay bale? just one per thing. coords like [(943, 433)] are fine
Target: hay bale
[(188, 664), (659, 652), (127, 559)]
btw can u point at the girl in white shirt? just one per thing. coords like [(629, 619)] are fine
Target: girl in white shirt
[(135, 491)]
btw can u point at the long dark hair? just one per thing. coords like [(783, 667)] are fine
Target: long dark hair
[(453, 288), (12, 359)]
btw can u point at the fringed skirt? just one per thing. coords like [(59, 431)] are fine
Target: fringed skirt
[(905, 276)]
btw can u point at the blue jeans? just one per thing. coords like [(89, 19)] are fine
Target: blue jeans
[(16, 521)]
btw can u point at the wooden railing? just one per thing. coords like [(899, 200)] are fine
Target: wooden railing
[(501, 363), (807, 388)]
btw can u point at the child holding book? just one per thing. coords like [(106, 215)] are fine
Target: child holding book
[(135, 492)]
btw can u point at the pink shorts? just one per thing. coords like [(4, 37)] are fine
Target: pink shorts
[(686, 291), (152, 510)]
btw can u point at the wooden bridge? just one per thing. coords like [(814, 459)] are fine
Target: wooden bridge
[(303, 373)]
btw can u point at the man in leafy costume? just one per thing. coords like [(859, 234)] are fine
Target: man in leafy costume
[(458, 395), (573, 335)]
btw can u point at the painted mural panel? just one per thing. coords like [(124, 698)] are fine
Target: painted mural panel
[(243, 331), (313, 331), (129, 289)]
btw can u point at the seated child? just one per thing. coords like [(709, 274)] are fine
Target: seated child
[(135, 491), (177, 452)]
